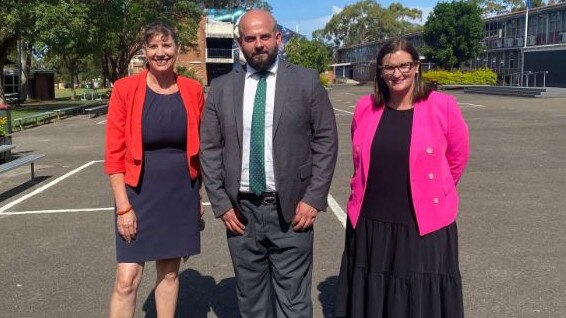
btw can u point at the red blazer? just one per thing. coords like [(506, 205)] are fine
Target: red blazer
[(124, 148)]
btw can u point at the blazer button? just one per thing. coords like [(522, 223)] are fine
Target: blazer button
[(431, 176), (429, 150), (435, 201)]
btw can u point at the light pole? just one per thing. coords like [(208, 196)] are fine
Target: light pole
[(528, 3)]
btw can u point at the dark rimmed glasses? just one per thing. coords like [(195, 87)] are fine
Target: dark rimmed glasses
[(404, 68)]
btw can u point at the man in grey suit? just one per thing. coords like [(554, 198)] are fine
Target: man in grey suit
[(268, 151)]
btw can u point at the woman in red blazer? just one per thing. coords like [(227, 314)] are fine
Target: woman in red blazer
[(152, 146), (410, 147)]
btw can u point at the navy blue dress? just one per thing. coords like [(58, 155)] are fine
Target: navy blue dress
[(166, 201)]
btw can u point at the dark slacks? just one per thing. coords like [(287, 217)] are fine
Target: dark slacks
[(272, 263)]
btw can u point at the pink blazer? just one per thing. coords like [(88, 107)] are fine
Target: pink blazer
[(438, 155)]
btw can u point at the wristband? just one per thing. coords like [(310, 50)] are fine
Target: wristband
[(122, 212)]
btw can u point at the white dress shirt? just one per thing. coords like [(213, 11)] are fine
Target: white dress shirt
[(250, 87)]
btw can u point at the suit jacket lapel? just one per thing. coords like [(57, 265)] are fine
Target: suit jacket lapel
[(281, 88), (238, 95)]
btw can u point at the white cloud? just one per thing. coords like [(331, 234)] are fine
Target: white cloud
[(426, 12), (336, 9), (306, 27)]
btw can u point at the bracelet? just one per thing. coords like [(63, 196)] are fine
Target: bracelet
[(122, 212)]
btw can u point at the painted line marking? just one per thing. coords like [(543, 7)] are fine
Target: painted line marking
[(335, 207), (102, 122), (473, 105), (344, 111), (58, 211), (47, 186), (68, 210)]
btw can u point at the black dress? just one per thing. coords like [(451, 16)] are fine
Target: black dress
[(166, 201), (388, 269)]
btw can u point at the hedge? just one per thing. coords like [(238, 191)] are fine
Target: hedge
[(483, 76)]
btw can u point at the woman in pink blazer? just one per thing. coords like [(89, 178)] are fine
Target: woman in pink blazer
[(410, 147)]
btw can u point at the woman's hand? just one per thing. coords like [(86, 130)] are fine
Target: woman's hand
[(127, 225)]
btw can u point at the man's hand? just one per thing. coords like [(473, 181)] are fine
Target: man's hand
[(232, 222), (304, 217)]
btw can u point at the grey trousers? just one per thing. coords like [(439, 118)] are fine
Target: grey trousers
[(272, 263)]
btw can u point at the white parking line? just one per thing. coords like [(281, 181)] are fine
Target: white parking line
[(67, 210), (47, 186), (473, 105), (344, 111), (102, 122), (57, 211), (337, 210)]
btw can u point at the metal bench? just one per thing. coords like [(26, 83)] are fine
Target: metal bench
[(97, 110), (5, 153), (20, 162), (35, 117), (72, 109)]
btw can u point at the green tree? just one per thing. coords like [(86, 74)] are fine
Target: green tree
[(120, 24), (313, 54), (260, 4), (367, 21), (494, 7), (16, 22), (453, 33), (63, 29)]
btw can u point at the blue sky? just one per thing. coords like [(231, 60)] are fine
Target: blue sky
[(309, 15)]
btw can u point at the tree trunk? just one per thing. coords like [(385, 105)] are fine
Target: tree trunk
[(26, 70), (5, 45)]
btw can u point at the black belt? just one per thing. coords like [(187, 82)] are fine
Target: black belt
[(266, 198)]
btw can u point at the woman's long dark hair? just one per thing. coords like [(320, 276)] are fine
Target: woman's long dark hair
[(381, 93)]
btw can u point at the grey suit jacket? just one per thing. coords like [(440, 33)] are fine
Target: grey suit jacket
[(305, 141)]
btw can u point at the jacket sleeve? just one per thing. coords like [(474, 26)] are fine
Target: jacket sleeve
[(115, 150), (211, 156), (458, 140), (324, 146)]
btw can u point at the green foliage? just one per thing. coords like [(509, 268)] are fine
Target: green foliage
[(453, 33), (120, 24), (3, 128), (187, 72), (367, 21), (312, 54), (259, 4), (483, 76), (494, 7), (63, 31), (324, 80), (16, 22)]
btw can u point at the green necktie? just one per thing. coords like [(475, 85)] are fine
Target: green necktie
[(257, 137)]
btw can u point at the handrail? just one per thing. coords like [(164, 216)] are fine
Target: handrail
[(535, 75)]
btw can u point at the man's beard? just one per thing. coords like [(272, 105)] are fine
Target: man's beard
[(262, 65)]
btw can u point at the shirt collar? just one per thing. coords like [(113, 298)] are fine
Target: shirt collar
[(250, 71)]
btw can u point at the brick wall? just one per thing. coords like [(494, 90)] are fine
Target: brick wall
[(194, 59)]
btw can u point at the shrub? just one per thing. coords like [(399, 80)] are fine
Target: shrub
[(188, 72), (324, 79), (3, 128), (482, 76)]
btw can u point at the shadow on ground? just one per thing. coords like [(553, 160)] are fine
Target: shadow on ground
[(199, 295), (327, 295), (22, 187)]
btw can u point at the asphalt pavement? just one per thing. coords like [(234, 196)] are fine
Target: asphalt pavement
[(57, 233)]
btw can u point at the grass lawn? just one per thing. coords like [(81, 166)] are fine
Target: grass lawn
[(62, 100)]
